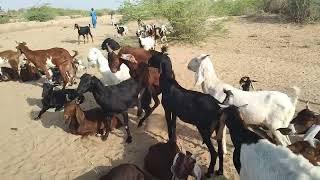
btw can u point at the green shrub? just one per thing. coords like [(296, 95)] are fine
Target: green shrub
[(4, 19), (41, 14)]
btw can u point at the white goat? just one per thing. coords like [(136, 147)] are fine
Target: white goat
[(272, 109), (265, 161), (95, 56), (147, 43)]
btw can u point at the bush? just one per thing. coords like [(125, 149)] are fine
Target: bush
[(41, 14), (236, 7), (4, 19)]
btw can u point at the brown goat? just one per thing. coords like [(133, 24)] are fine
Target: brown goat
[(126, 172), (12, 57), (164, 159), (304, 120), (307, 150), (89, 122), (133, 57), (51, 57)]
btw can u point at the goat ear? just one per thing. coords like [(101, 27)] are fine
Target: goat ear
[(109, 48), (199, 75), (129, 57)]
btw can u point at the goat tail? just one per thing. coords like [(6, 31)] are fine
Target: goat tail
[(297, 91), (75, 54)]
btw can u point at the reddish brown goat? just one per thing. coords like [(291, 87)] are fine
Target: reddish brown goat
[(132, 57), (307, 150), (89, 122), (12, 57), (53, 57)]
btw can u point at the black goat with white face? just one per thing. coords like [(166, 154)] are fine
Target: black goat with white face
[(55, 98), (245, 83)]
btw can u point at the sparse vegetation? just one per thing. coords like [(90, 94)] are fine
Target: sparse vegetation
[(4, 19)]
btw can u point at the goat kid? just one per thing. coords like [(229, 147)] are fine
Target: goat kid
[(245, 83), (55, 98), (83, 31), (93, 121)]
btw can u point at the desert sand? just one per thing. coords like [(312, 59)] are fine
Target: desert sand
[(278, 55)]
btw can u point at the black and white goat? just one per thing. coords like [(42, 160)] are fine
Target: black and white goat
[(83, 31), (121, 30)]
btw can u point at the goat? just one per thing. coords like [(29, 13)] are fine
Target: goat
[(147, 43), (89, 122), (133, 57), (83, 31), (95, 56), (307, 150), (194, 108), (165, 159), (245, 83), (12, 58), (51, 57), (257, 158), (121, 30), (55, 98), (29, 73), (8, 74), (126, 172), (306, 122), (272, 109), (115, 98)]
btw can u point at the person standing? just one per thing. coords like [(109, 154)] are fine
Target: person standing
[(93, 15)]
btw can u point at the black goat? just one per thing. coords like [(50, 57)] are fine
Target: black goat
[(239, 132), (56, 76), (29, 73), (8, 74), (201, 110), (83, 31), (114, 45), (115, 98), (55, 98), (245, 82)]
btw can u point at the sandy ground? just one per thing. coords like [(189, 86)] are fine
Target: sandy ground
[(277, 55)]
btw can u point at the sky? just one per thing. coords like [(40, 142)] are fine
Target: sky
[(74, 4)]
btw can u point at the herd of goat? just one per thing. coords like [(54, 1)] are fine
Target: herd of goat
[(259, 122)]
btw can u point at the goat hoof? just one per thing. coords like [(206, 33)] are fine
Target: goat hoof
[(139, 125), (219, 172), (129, 140), (104, 138), (36, 118), (208, 175)]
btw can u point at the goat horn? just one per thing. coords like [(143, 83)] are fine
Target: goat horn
[(109, 48)]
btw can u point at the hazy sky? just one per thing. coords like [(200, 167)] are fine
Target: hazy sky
[(76, 4)]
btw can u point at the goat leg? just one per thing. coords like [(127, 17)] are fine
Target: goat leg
[(149, 110), (213, 153), (43, 110), (220, 154), (126, 126), (79, 39)]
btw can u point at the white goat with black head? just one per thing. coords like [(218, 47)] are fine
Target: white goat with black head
[(95, 56), (271, 109)]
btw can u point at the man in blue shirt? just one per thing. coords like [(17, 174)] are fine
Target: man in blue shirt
[(93, 17)]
